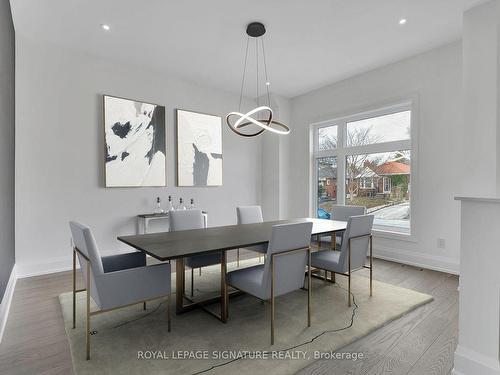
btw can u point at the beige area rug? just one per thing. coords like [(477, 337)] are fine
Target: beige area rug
[(134, 341)]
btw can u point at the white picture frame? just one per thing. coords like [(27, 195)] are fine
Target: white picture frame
[(199, 149), (135, 143)]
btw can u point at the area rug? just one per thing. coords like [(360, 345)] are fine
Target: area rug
[(134, 341)]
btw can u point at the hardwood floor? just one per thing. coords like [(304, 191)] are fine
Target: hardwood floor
[(421, 342)]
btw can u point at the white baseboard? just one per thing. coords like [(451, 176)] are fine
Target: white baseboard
[(432, 262), (6, 300), (428, 261), (470, 362), (49, 266)]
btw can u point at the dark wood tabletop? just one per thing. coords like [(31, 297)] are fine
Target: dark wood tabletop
[(178, 244)]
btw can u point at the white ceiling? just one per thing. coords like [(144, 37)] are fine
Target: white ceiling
[(309, 44)]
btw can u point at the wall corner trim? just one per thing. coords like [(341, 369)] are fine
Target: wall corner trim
[(468, 361), (7, 299), (49, 266), (428, 261)]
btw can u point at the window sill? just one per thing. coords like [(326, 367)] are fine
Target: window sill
[(379, 233)]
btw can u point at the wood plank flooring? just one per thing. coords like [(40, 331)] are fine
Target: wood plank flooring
[(421, 342)]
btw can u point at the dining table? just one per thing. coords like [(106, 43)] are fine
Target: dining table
[(177, 245)]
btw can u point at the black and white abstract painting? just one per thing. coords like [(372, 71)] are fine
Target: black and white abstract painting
[(135, 143), (199, 149)]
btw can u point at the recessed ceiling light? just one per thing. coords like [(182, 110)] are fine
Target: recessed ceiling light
[(105, 27), (402, 21), (268, 83)]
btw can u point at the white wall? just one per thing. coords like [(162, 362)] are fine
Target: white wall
[(7, 127), (435, 79), (60, 153), (481, 98), (60, 150), (478, 340), (275, 164)]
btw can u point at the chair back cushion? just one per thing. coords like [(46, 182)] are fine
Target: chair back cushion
[(343, 213), (356, 226), (84, 240), (249, 214), (186, 220), (192, 219), (289, 268)]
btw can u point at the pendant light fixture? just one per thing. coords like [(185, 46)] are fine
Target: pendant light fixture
[(260, 118)]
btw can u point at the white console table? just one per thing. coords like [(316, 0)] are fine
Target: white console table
[(479, 315), (144, 219)]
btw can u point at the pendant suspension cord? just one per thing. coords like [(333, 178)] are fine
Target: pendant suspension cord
[(257, 63), (244, 71), (265, 72)]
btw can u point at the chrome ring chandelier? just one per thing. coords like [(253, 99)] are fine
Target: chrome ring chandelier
[(236, 120)]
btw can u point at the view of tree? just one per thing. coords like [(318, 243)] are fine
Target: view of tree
[(321, 190), (328, 142), (327, 138), (355, 163), (377, 166)]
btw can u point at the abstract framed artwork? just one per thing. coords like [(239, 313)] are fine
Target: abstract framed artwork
[(199, 149), (135, 143)]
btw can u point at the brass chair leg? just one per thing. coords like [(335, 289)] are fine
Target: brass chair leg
[(349, 290), (192, 282), (371, 266), (74, 288), (87, 325), (272, 321), (144, 305), (272, 300), (309, 287), (224, 306), (168, 312), (238, 258), (349, 276), (184, 283)]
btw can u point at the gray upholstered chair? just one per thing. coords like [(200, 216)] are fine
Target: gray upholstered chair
[(192, 219), (283, 270), (342, 213), (115, 281), (250, 215), (356, 243)]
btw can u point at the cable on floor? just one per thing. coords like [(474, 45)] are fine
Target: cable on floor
[(351, 323)]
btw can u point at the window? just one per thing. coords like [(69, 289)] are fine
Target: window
[(387, 128), (326, 171), (387, 185), (366, 183), (367, 157), (327, 138)]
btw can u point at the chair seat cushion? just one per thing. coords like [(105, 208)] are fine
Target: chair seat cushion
[(258, 248), (328, 239), (203, 260), (249, 280), (126, 261), (133, 285), (327, 260)]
